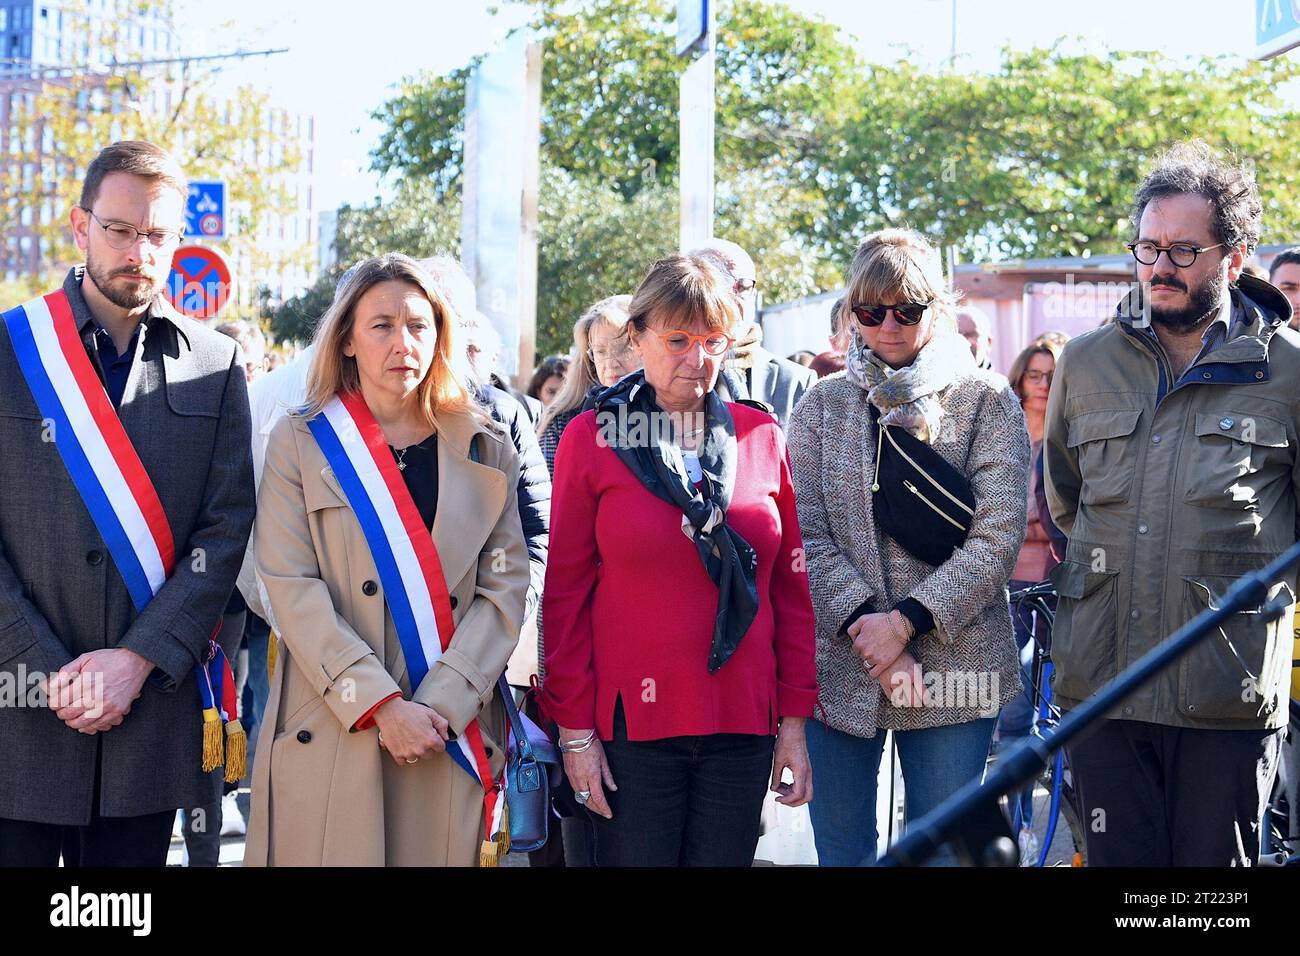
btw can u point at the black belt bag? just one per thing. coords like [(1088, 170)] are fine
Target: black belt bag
[(917, 498)]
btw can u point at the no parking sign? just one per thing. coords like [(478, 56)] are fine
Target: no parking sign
[(200, 283)]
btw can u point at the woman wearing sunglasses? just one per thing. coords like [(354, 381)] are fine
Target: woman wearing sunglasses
[(910, 471), (679, 628)]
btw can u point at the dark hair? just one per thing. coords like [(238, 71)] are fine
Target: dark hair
[(137, 158), (1287, 257), (1194, 167), (551, 366)]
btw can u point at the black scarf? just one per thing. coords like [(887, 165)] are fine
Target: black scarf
[(637, 429)]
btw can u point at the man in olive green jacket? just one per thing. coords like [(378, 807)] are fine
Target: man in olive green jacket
[(1171, 464)]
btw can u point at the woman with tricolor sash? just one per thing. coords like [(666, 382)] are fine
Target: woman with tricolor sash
[(390, 547)]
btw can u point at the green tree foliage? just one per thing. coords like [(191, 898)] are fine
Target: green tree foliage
[(414, 221), (64, 120), (816, 148)]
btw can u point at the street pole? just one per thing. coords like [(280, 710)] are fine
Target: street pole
[(695, 39)]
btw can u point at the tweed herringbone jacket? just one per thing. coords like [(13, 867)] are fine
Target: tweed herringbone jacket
[(969, 659)]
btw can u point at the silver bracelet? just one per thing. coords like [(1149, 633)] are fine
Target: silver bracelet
[(578, 746)]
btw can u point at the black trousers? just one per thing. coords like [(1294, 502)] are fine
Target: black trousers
[(683, 801), (1172, 796), (105, 841)]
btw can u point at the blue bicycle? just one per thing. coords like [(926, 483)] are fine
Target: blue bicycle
[(1053, 796)]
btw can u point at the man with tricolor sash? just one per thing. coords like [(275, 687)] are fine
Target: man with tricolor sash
[(128, 498)]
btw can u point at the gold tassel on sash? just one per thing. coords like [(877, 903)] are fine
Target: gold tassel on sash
[(491, 851), (212, 755), (503, 837), (271, 655), (236, 751)]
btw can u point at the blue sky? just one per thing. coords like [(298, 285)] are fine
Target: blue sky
[(345, 58)]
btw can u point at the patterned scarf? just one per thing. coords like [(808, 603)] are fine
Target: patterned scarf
[(623, 412), (908, 396)]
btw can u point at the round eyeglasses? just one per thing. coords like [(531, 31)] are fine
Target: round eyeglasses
[(1181, 254)]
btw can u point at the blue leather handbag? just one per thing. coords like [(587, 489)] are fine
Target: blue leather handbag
[(532, 760)]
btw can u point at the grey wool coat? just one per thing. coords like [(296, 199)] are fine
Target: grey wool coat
[(185, 410), (970, 657)]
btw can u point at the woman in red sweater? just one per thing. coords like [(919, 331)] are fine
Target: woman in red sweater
[(679, 628)]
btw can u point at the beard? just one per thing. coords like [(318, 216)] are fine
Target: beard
[(130, 295), (1202, 301)]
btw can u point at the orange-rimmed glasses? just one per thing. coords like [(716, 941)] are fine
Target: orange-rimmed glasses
[(679, 341)]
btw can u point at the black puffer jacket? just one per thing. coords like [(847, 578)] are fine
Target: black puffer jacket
[(534, 484)]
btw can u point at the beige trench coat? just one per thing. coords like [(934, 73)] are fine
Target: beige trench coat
[(324, 795)]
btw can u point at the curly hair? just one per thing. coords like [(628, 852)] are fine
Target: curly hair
[(1228, 185)]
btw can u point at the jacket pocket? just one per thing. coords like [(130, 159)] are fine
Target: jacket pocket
[(1085, 633), (1233, 672), (1103, 440), (303, 760), (1230, 448), (15, 638)]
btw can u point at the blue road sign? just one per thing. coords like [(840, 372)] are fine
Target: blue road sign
[(205, 210), (1277, 27)]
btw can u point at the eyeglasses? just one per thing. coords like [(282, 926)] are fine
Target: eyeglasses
[(1181, 254), (608, 355), (678, 341), (905, 313), (121, 235), (745, 285), (1037, 377)]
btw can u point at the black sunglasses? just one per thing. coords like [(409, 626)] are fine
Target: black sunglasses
[(906, 313)]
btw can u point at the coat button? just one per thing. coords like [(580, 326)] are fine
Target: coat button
[(1259, 374), (1143, 529), (304, 736), (1155, 439), (369, 588), (1206, 375), (454, 602), (1135, 614), (1226, 423), (1128, 711), (95, 557)]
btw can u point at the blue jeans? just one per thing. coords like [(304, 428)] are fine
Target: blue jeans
[(937, 762)]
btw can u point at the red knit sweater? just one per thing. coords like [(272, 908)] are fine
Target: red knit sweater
[(629, 607)]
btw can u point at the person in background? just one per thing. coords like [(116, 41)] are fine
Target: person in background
[(977, 330), (600, 357), (752, 372), (680, 666), (1031, 379), (803, 357), (1284, 272), (883, 611), (475, 363), (204, 826), (549, 379), (252, 343), (827, 363)]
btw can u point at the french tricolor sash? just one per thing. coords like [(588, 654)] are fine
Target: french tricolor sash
[(115, 489), (409, 569)]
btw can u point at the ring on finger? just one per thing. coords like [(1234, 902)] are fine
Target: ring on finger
[(412, 759), (582, 796)]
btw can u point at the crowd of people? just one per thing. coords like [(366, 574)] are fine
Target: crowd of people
[(744, 569)]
